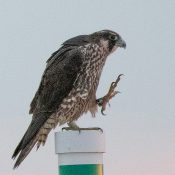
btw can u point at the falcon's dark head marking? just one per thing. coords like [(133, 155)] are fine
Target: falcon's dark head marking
[(109, 39)]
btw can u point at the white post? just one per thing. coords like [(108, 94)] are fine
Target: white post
[(80, 153)]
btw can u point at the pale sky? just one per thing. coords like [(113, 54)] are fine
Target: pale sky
[(140, 124)]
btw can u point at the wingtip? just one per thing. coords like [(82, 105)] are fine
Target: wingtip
[(15, 167)]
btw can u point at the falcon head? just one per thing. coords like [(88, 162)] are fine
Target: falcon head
[(108, 39)]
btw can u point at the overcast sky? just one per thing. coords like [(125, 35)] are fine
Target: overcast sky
[(140, 124)]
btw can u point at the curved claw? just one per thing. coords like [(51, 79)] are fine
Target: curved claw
[(103, 112), (64, 128), (120, 75), (100, 129), (118, 79)]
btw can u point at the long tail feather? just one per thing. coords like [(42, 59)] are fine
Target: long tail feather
[(23, 154), (30, 138)]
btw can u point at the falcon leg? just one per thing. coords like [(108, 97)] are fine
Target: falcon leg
[(74, 127), (102, 102), (71, 126)]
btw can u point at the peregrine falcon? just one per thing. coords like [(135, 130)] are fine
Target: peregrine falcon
[(68, 87)]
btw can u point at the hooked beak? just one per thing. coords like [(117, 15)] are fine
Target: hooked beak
[(121, 43)]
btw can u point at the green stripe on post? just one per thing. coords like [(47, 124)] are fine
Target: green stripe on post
[(84, 169)]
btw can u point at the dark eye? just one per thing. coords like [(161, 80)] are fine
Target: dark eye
[(113, 37)]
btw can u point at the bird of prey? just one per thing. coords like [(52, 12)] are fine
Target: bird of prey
[(68, 87)]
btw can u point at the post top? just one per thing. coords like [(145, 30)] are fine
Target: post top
[(85, 141)]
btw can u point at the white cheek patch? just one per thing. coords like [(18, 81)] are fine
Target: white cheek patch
[(105, 44), (114, 49)]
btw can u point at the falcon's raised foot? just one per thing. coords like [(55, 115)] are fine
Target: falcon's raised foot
[(74, 127), (102, 102)]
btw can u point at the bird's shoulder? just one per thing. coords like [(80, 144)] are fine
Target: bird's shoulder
[(58, 79), (69, 47)]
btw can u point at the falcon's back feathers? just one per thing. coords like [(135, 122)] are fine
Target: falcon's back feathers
[(62, 68), (56, 83)]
